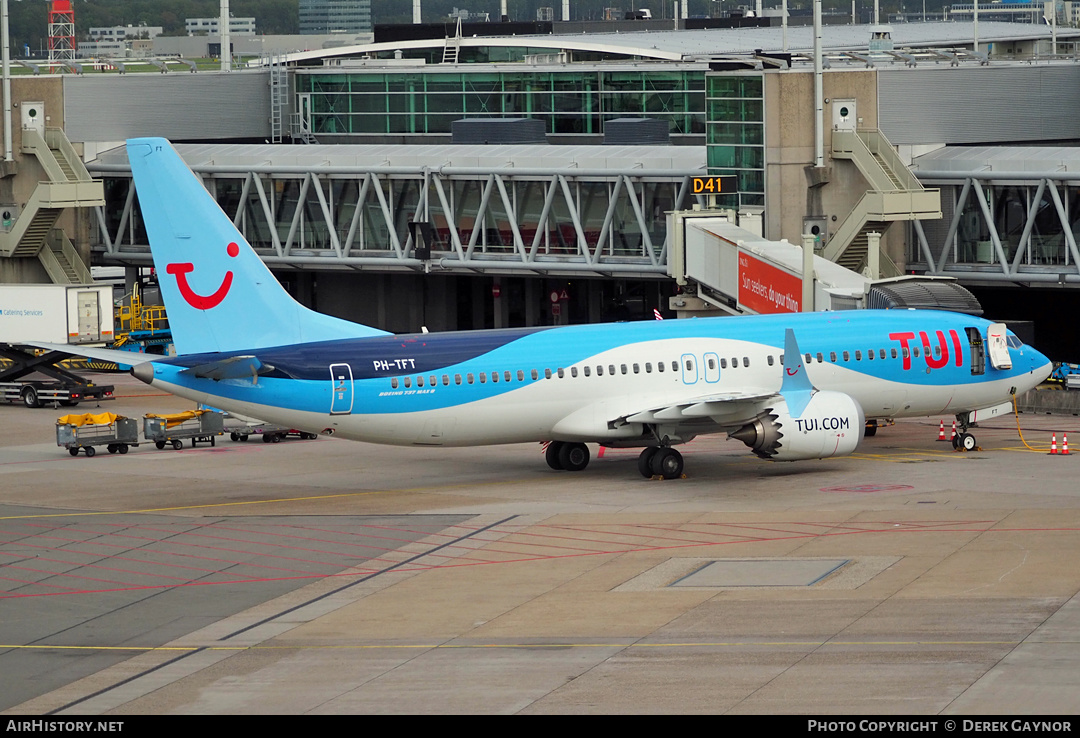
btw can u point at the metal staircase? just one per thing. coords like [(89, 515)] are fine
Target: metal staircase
[(69, 185), (893, 194), (452, 46)]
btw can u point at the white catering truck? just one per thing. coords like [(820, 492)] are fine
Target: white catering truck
[(51, 313)]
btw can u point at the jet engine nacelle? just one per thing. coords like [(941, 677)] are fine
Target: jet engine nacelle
[(831, 425)]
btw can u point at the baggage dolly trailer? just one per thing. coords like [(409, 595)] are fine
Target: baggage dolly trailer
[(201, 426), (117, 433)]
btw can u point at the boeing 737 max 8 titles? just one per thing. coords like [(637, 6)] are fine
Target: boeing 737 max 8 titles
[(791, 386)]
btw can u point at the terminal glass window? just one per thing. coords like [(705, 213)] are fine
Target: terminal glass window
[(573, 102), (735, 134)]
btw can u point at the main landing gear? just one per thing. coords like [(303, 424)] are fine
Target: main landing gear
[(654, 461), (660, 461), (567, 456)]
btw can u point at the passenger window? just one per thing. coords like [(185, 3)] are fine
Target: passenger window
[(637, 369), (648, 367), (916, 352), (534, 374), (469, 378), (858, 356), (494, 376), (820, 359), (507, 377), (446, 380), (419, 381), (394, 383), (771, 360), (659, 366), (587, 370), (521, 376), (560, 372), (832, 356), (808, 358), (483, 377), (547, 374), (907, 353), (433, 380), (611, 369), (622, 368), (457, 379), (847, 356), (599, 371), (870, 354), (674, 366), (408, 382), (734, 362), (881, 353), (723, 363), (573, 371), (937, 351), (746, 361)]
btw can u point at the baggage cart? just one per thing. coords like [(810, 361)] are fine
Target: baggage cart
[(117, 433), (201, 426), (270, 433)]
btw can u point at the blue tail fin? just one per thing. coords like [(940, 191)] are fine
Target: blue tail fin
[(218, 293)]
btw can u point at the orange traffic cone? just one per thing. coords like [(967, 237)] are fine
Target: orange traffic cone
[(1064, 444), (941, 432), (1053, 443), (953, 436)]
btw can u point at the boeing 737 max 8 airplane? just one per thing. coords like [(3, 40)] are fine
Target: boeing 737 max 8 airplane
[(791, 386)]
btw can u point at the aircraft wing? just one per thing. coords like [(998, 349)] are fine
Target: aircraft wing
[(734, 407), (128, 358), (729, 409)]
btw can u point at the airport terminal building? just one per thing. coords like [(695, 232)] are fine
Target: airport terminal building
[(351, 171)]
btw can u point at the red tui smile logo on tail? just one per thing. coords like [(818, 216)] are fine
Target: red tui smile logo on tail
[(193, 298)]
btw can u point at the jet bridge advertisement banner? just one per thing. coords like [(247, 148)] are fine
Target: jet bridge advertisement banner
[(765, 289)]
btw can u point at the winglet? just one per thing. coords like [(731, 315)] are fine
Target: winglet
[(796, 388)]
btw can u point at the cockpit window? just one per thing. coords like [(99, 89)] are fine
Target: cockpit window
[(1013, 341)]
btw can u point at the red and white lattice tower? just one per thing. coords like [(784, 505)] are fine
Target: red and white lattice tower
[(61, 32)]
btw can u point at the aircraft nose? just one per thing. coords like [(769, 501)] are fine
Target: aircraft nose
[(1041, 366)]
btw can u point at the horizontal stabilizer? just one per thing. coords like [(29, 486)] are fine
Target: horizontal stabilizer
[(235, 367)]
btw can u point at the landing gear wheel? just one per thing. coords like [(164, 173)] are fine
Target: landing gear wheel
[(90, 451), (74, 450), (160, 444), (30, 398), (551, 456), (667, 463), (871, 431), (177, 445), (644, 461), (574, 456), (967, 442)]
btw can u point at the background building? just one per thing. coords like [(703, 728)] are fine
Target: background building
[(335, 16)]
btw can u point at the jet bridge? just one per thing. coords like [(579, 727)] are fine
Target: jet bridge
[(737, 271)]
